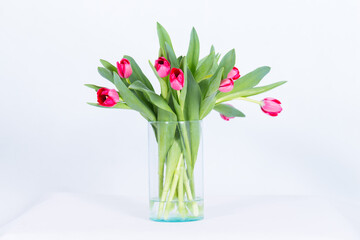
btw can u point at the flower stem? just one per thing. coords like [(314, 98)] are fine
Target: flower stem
[(181, 190), (190, 196), (161, 176), (178, 95), (186, 147), (163, 196), (173, 188), (249, 100)]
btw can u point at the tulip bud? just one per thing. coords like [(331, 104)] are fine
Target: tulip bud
[(271, 106), (162, 66), (225, 117), (234, 73), (124, 68), (107, 97), (176, 78), (226, 85)]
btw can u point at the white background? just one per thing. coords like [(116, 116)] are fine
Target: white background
[(52, 141)]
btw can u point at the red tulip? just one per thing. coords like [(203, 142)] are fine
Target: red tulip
[(107, 97), (124, 68), (225, 117), (162, 66), (271, 106), (176, 78), (226, 85), (234, 73)]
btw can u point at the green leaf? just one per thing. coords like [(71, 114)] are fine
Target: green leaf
[(217, 57), (227, 62), (154, 98), (195, 132), (207, 105), (106, 74), (215, 81), (173, 158), (250, 92), (212, 49), (162, 52), (118, 105), (258, 90), (180, 60), (215, 64), (132, 100), (193, 51), (165, 139), (204, 68), (166, 116), (137, 74), (228, 110), (178, 110), (163, 84), (108, 66), (96, 88), (171, 56), (211, 85), (246, 82), (193, 98), (163, 37), (192, 112), (251, 79), (184, 90)]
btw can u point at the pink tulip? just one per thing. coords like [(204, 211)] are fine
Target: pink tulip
[(107, 97), (162, 66), (226, 85), (225, 117), (124, 68), (176, 78), (234, 73), (271, 106)]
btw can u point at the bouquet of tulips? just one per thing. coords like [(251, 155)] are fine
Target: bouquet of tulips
[(190, 89)]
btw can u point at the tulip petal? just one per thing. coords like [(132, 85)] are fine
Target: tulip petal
[(163, 71), (272, 99), (176, 85), (234, 73), (271, 106), (176, 78), (107, 97), (226, 85), (124, 68), (225, 117)]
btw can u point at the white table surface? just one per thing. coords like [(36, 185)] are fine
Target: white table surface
[(78, 216)]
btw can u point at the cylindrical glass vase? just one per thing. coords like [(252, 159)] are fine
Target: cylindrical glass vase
[(175, 171)]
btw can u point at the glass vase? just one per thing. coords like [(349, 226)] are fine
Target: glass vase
[(175, 171)]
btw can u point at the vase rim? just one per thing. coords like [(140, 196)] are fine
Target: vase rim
[(168, 122)]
